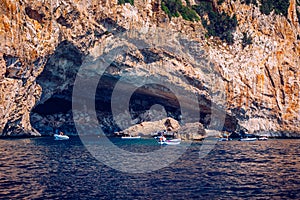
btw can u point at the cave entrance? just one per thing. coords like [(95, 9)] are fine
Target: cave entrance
[(147, 103), (52, 106), (54, 110), (156, 99)]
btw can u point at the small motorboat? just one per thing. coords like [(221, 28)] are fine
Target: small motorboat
[(263, 138), (247, 139), (224, 139), (131, 137), (175, 140), (61, 137), (170, 142)]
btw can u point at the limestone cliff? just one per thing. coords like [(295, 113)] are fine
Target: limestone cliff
[(44, 43)]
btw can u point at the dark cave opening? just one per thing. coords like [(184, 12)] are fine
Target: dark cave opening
[(54, 111), (52, 106), (145, 97), (141, 101)]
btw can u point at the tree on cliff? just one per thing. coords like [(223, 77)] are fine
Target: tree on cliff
[(279, 6)]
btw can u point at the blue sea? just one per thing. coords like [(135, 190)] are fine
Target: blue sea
[(43, 168)]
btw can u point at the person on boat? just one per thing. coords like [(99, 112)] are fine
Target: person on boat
[(61, 133), (163, 138)]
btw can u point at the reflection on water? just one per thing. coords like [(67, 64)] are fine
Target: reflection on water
[(48, 169)]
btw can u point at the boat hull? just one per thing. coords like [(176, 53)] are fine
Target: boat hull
[(263, 138), (131, 137), (175, 140), (61, 137), (224, 139), (170, 142), (247, 139)]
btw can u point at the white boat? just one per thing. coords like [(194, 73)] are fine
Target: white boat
[(61, 137), (175, 140), (247, 139), (262, 138), (224, 139), (131, 137), (170, 142)]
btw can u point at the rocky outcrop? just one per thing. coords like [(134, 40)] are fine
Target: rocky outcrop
[(150, 128), (188, 131), (16, 105), (262, 79), (44, 44), (191, 131)]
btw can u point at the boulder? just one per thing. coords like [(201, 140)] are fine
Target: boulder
[(148, 128), (191, 131)]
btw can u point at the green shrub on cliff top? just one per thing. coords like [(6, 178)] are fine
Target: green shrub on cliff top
[(174, 8), (279, 6), (248, 2), (120, 2), (219, 2), (189, 14), (246, 40), (218, 24)]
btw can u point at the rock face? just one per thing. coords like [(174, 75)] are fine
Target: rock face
[(191, 131), (262, 79), (188, 131), (45, 43), (148, 128)]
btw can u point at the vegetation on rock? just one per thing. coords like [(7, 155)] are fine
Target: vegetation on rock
[(174, 8), (220, 2), (248, 2), (120, 2), (246, 40), (279, 6), (218, 24)]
